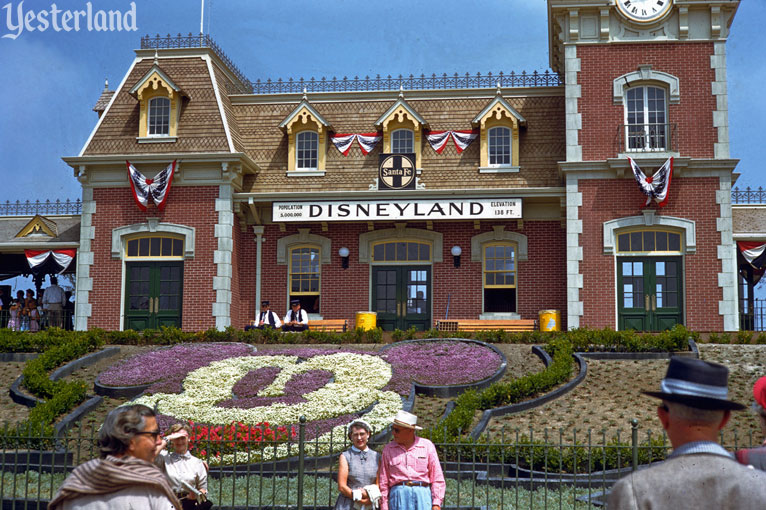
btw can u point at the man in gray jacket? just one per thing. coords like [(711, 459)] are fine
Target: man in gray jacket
[(699, 474)]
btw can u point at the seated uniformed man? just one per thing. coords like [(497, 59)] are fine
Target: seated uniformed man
[(296, 319), (266, 318)]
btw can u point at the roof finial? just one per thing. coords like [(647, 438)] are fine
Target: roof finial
[(106, 84), (401, 90), (156, 57), (305, 94), (498, 89)]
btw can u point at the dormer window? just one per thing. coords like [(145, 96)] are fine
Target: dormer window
[(402, 141), (499, 146), (159, 117), (402, 129), (499, 124), (160, 101), (306, 141), (307, 149)]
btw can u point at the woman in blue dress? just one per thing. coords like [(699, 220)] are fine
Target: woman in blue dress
[(358, 471)]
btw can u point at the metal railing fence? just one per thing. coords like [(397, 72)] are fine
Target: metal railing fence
[(748, 196), (23, 324), (752, 316), (513, 470), (647, 138), (29, 208)]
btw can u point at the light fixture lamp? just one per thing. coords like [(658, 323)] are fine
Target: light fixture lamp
[(343, 252), (456, 252)]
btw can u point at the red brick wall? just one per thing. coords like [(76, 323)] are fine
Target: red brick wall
[(189, 206), (601, 118), (542, 279), (604, 200)]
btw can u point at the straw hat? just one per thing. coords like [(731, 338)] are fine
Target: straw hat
[(407, 420)]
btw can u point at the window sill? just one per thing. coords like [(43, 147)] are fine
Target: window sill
[(500, 169), (156, 139), (305, 173), (499, 316), (648, 154)]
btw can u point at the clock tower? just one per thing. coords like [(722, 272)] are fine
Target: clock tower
[(645, 80)]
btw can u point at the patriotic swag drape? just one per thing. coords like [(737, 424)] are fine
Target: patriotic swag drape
[(62, 257), (367, 141), (654, 187), (461, 139), (157, 189), (752, 254)]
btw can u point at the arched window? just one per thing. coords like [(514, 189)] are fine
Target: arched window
[(646, 119), (307, 144), (402, 141), (649, 241), (304, 276), (499, 277), (499, 146), (401, 251), (159, 117), (154, 247)]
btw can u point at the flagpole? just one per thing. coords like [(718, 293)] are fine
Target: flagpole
[(202, 17)]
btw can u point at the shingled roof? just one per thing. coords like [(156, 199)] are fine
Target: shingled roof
[(103, 101)]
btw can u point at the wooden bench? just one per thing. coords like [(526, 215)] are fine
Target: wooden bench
[(336, 325), (486, 324)]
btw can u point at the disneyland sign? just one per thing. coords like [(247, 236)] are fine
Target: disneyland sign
[(398, 210)]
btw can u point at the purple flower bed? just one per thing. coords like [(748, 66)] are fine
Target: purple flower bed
[(255, 381), (439, 364), (167, 368), (295, 388)]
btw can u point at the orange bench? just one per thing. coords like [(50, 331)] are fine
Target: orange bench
[(336, 325), (486, 324)]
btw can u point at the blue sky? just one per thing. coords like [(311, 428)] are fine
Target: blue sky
[(50, 80)]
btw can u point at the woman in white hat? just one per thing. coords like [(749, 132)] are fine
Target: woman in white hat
[(358, 471)]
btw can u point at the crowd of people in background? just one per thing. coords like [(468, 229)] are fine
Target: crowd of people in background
[(27, 312)]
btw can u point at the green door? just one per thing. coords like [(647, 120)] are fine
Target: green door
[(649, 293), (153, 295), (401, 296)]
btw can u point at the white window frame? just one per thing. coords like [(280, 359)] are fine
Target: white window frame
[(395, 141), (300, 161), (509, 146), (151, 114), (655, 135)]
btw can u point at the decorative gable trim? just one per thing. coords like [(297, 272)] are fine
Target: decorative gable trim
[(397, 112), (496, 109), (302, 114), (154, 79), (39, 225)]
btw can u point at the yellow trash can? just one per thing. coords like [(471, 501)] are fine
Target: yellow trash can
[(550, 320), (366, 320)]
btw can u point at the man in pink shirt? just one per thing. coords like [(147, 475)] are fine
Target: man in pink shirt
[(410, 476)]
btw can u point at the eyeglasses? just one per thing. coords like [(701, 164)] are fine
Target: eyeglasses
[(396, 430), (154, 433)]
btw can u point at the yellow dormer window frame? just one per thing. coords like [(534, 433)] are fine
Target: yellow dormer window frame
[(149, 91), (299, 159), (402, 116), (499, 114), (304, 121)]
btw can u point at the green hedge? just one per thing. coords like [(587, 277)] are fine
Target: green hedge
[(499, 394)]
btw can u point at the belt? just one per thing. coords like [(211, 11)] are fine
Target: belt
[(410, 483)]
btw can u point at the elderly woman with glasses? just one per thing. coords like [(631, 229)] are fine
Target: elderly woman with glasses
[(183, 469), (358, 471), (756, 457), (124, 476)]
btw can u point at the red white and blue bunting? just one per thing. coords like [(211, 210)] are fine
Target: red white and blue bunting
[(367, 141), (654, 187), (754, 254), (462, 139), (157, 189), (62, 257)]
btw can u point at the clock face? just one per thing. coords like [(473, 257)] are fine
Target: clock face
[(644, 11)]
